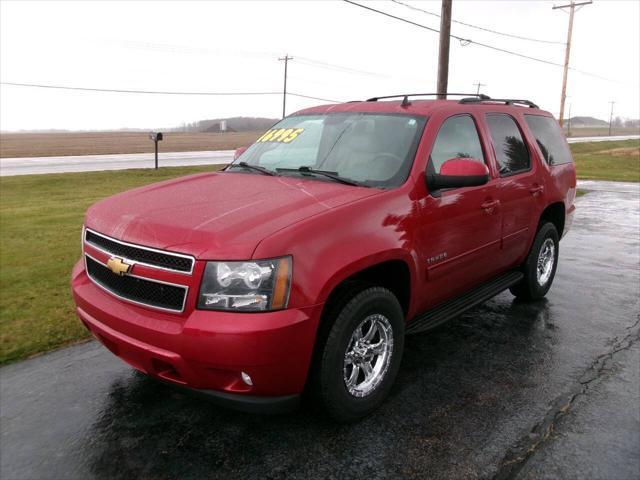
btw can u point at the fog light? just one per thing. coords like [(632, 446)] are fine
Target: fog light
[(246, 378)]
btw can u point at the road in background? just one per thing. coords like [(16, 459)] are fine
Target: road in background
[(509, 390), (602, 139), (92, 163)]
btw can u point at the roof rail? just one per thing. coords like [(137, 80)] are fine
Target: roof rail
[(506, 101), (407, 95)]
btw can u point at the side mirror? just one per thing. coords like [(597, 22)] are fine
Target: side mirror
[(239, 151), (458, 172)]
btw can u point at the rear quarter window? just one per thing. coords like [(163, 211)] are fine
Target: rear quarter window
[(550, 139)]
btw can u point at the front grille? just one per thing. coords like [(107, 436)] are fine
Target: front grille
[(138, 290), (170, 261)]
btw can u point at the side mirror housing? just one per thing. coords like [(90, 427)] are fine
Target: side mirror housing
[(457, 173), (239, 151)]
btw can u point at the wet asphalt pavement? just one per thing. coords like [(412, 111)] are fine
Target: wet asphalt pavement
[(509, 390)]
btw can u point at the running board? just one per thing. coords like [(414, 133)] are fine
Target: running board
[(452, 308)]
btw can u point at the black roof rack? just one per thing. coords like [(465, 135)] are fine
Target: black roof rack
[(468, 98), (405, 96), (506, 101)]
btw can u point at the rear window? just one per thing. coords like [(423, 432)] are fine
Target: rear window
[(550, 139)]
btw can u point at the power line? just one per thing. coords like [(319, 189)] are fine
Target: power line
[(310, 62), (464, 41), (331, 66), (163, 47), (467, 41), (315, 98), (160, 92), (148, 92), (351, 71), (398, 18), (478, 27)]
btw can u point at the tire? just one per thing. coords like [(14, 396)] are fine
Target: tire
[(340, 353), (535, 284)]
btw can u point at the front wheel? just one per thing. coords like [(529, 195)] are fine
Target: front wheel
[(361, 356), (539, 268)]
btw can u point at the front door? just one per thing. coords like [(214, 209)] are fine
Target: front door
[(459, 232)]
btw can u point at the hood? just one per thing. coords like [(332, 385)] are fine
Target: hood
[(217, 215)]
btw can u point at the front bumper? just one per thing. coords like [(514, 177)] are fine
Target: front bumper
[(204, 350)]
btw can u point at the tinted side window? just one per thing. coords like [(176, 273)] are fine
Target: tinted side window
[(458, 137), (550, 139), (511, 151)]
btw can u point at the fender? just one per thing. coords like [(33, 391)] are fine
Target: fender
[(371, 261), (332, 246)]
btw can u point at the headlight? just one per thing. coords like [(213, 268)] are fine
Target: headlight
[(246, 286)]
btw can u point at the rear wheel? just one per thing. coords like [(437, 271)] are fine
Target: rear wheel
[(539, 268), (359, 360)]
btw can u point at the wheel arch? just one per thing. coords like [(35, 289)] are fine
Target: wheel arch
[(554, 213), (392, 273)]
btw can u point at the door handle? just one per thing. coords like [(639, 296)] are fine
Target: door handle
[(490, 205), (536, 190)]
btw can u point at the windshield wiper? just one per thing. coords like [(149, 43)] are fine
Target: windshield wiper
[(264, 171), (332, 175)]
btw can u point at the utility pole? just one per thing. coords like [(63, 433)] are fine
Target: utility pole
[(611, 115), (286, 59), (443, 52), (569, 122), (572, 8), (479, 85)]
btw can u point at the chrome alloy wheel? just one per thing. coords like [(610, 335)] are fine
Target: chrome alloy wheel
[(546, 258), (368, 355)]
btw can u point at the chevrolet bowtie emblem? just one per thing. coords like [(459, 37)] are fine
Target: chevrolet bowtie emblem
[(118, 266)]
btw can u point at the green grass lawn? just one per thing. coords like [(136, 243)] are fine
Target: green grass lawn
[(40, 221), (617, 160)]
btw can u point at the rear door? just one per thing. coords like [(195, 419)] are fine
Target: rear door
[(555, 155), (519, 191), (459, 232)]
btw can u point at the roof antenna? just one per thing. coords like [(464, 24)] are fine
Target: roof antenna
[(405, 101)]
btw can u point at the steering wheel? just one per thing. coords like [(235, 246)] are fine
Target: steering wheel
[(387, 157)]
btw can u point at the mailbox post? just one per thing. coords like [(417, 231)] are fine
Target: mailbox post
[(156, 137)]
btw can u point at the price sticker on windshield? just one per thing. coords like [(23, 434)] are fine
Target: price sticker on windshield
[(281, 135)]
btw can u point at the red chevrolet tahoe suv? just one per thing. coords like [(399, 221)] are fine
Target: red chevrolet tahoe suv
[(301, 266)]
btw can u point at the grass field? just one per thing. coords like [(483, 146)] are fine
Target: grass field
[(619, 160), (601, 132), (40, 221), (102, 143)]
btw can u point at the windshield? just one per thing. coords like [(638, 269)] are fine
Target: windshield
[(371, 149)]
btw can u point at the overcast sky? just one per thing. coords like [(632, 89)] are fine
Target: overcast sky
[(225, 46)]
